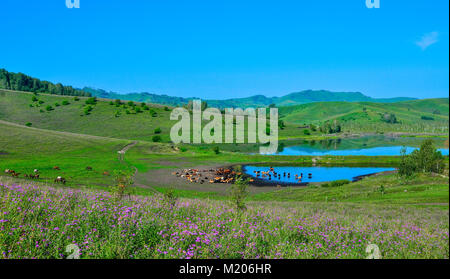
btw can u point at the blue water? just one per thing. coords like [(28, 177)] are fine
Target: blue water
[(374, 151), (319, 174)]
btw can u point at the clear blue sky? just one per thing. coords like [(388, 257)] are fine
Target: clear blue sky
[(232, 48)]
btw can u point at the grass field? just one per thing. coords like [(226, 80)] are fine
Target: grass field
[(154, 227), (405, 218)]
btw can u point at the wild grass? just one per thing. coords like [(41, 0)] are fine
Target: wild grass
[(40, 222)]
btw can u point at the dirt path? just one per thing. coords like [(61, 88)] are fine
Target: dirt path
[(121, 157)]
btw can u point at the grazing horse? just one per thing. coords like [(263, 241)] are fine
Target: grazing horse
[(60, 179)]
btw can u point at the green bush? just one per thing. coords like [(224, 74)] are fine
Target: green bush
[(49, 108), (216, 150), (76, 99), (156, 139), (427, 159), (157, 130), (34, 99), (306, 132), (87, 110), (57, 104), (239, 193), (166, 109), (91, 101), (28, 124), (41, 102), (424, 117), (65, 103)]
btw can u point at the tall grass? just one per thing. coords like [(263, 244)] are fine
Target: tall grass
[(39, 222)]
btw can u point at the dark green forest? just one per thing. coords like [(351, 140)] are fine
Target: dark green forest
[(22, 82)]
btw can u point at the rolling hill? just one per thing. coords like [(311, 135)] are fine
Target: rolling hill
[(108, 120), (303, 97)]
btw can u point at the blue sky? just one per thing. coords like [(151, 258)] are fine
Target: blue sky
[(232, 48)]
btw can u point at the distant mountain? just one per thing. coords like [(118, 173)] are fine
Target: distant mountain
[(297, 98)]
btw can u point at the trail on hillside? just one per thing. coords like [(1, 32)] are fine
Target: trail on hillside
[(121, 160)]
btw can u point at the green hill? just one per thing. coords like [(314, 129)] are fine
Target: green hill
[(303, 97), (368, 116), (143, 120)]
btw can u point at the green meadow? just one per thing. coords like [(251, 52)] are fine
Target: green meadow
[(84, 146)]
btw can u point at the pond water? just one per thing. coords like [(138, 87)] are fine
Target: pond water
[(364, 146), (318, 174), (374, 151)]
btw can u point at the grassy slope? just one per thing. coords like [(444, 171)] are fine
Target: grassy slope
[(353, 117), (23, 149), (14, 107)]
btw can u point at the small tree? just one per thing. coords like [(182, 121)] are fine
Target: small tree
[(239, 193), (123, 182)]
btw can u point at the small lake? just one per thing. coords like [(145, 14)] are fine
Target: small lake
[(363, 146), (374, 151), (318, 174)]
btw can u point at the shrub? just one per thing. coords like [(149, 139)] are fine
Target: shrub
[(306, 132), (28, 124), (34, 99), (123, 181), (137, 109), (389, 118), (49, 108), (166, 109), (57, 104), (41, 102), (76, 99), (427, 159), (239, 193), (117, 114), (157, 130), (130, 103), (111, 103), (41, 110), (65, 103), (87, 110), (170, 199), (156, 139), (154, 114), (31, 105), (91, 101), (424, 117), (127, 112), (216, 150)]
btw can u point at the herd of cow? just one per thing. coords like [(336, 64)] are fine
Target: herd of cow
[(220, 175), (272, 173)]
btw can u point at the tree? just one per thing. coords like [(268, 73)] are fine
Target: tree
[(239, 193), (427, 159)]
